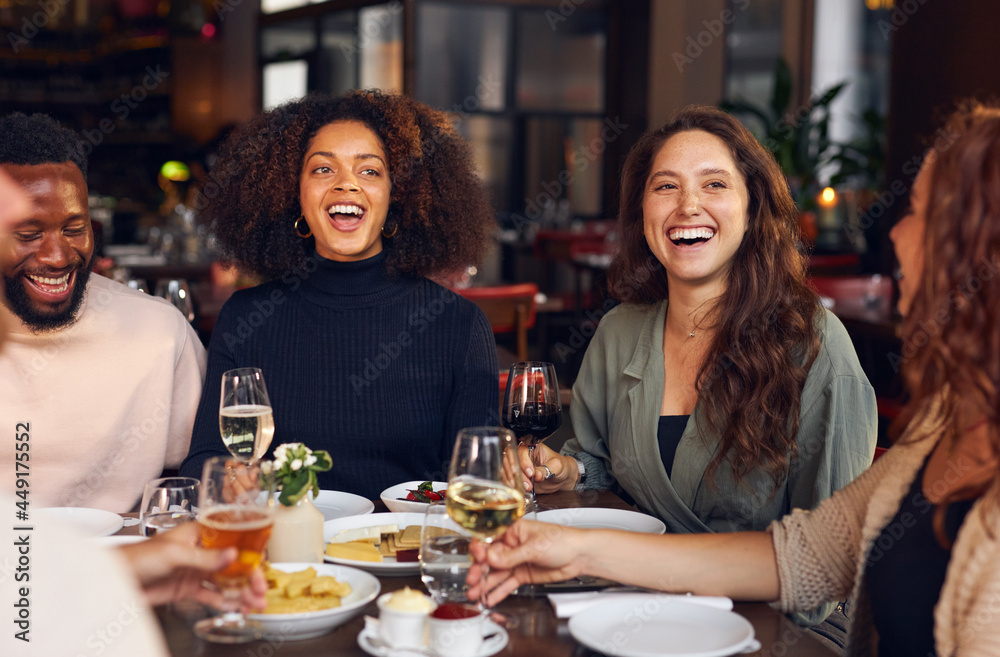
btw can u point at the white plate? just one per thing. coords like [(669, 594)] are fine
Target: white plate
[(390, 496), (593, 518), (81, 520), (118, 540), (496, 642), (311, 624), (389, 566), (336, 504), (624, 628)]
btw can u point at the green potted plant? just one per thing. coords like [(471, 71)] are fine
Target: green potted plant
[(798, 138)]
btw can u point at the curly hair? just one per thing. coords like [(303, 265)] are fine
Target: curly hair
[(953, 324), (766, 339), (438, 205), (39, 139)]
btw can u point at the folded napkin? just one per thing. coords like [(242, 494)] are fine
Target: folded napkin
[(569, 604)]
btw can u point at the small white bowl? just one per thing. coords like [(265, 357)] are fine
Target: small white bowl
[(311, 624), (402, 630), (390, 496)]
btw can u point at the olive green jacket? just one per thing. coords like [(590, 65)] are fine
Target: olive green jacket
[(615, 413)]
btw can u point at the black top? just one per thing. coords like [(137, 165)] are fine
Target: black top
[(668, 434), (381, 372), (905, 573)]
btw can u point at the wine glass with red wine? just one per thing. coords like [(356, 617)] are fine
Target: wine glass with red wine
[(531, 406)]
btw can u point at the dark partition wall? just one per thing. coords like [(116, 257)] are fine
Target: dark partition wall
[(942, 51)]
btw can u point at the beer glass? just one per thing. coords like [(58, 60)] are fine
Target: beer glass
[(236, 509)]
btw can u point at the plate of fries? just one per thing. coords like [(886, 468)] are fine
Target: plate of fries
[(307, 600), (380, 543)]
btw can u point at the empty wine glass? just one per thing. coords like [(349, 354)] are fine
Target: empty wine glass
[(176, 292), (531, 406), (246, 421), (139, 284), (167, 503)]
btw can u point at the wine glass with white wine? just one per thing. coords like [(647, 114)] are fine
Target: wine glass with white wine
[(483, 495), (245, 418)]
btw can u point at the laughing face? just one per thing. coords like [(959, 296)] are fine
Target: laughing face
[(47, 261), (695, 209), (344, 191)]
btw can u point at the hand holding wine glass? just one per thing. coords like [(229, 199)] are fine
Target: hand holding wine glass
[(484, 497), (236, 509), (531, 406), (246, 421)]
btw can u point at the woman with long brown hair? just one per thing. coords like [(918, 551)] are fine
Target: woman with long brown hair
[(917, 536), (719, 395)]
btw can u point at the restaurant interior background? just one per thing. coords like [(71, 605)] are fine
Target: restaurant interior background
[(551, 93)]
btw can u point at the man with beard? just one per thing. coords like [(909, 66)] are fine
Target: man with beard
[(106, 379)]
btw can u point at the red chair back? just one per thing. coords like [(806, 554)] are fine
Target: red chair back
[(509, 309)]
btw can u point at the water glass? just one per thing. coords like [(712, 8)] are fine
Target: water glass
[(444, 557), (167, 503)]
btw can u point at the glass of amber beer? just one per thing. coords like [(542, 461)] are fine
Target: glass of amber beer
[(236, 509)]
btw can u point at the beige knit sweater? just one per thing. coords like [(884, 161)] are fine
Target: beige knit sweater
[(821, 555)]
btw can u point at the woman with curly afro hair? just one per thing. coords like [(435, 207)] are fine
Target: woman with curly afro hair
[(346, 205)]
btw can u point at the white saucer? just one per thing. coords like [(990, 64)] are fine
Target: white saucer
[(81, 520), (372, 645)]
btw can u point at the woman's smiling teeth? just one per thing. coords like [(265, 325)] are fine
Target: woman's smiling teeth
[(690, 235), (346, 209)]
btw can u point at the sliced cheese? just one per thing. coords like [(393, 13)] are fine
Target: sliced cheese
[(355, 551), (372, 534)]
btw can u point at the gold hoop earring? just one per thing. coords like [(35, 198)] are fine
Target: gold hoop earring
[(395, 229), (299, 232)]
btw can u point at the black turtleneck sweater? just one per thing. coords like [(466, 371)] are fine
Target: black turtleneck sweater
[(381, 372)]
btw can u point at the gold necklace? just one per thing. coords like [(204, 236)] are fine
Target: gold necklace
[(690, 333)]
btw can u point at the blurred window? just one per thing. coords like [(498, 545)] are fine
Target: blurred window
[(462, 55), (284, 81), (288, 40), (561, 69)]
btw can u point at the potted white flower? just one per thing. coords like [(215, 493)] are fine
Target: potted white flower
[(298, 524)]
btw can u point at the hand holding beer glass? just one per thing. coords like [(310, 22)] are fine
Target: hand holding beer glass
[(236, 509)]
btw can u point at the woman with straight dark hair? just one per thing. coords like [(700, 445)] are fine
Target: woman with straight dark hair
[(915, 540), (719, 395)]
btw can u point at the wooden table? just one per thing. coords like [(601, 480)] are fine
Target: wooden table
[(537, 631)]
